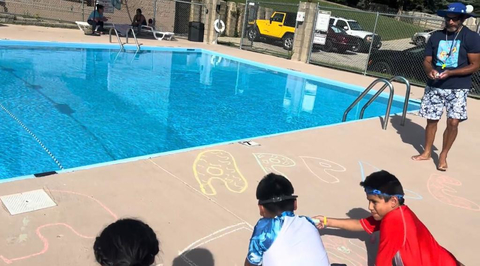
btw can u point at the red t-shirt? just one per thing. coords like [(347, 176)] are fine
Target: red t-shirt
[(401, 231)]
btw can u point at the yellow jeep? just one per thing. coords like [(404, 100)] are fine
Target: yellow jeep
[(280, 26)]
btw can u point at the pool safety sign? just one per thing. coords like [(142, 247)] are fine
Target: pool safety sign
[(321, 27), (107, 4)]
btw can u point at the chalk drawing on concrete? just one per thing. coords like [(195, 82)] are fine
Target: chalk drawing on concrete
[(345, 251), (272, 163), (218, 165), (46, 244), (441, 187), (211, 237), (409, 194), (323, 169)]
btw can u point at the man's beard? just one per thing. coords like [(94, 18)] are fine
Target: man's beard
[(452, 28)]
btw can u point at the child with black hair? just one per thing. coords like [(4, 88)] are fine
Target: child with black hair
[(404, 239), (126, 242), (281, 237)]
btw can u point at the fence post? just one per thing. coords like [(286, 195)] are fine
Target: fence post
[(371, 44), (303, 32), (310, 47), (210, 33), (245, 23), (154, 19), (83, 10)]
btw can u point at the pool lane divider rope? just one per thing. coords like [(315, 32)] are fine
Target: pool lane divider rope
[(33, 136)]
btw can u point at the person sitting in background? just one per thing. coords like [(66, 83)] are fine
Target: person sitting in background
[(139, 20), (126, 242), (96, 18), (150, 22)]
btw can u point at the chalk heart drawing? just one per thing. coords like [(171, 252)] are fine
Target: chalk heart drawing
[(211, 237), (45, 241), (269, 162), (323, 169), (218, 165), (347, 251), (364, 165), (441, 188)]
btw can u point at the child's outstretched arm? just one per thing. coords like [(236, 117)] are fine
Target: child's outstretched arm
[(346, 224)]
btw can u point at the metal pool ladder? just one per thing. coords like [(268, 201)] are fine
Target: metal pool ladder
[(374, 97), (120, 41)]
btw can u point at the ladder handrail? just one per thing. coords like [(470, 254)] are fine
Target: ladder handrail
[(365, 92), (118, 37), (405, 104), (134, 37), (407, 96)]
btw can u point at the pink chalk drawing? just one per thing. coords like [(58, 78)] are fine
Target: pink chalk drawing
[(318, 165), (269, 162), (44, 240), (347, 251), (440, 187)]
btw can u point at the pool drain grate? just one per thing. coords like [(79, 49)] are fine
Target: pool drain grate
[(27, 201)]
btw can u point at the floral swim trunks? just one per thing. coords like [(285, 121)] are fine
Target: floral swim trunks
[(435, 100)]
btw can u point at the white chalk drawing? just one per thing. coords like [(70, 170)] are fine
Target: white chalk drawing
[(408, 193), (211, 237), (269, 162), (323, 169), (348, 251)]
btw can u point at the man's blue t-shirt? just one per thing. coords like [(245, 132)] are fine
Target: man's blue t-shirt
[(95, 14), (452, 53)]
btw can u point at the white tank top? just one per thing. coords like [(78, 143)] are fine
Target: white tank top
[(300, 237)]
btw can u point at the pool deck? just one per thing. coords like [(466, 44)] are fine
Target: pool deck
[(202, 203)]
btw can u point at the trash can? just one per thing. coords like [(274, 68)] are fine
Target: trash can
[(195, 31)]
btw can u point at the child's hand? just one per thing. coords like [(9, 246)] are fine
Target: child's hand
[(319, 221)]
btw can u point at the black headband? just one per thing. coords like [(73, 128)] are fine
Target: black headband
[(277, 199)]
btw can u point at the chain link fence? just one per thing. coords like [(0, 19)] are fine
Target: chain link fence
[(269, 28), (166, 15), (376, 44)]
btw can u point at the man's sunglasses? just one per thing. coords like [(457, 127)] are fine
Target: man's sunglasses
[(454, 19)]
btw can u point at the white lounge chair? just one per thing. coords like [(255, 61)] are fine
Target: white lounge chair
[(87, 28), (84, 26), (159, 35)]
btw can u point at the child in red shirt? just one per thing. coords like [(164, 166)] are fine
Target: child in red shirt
[(404, 239)]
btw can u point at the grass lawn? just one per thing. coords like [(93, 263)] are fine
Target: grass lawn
[(388, 27)]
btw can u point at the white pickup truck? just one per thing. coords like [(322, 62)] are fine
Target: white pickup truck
[(352, 27)]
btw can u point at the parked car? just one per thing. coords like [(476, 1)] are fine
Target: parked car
[(421, 38), (280, 26), (337, 39), (407, 63), (353, 28)]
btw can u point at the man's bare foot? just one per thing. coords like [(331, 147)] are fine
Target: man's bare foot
[(421, 157), (442, 163)]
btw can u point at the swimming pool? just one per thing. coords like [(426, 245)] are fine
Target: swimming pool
[(70, 105)]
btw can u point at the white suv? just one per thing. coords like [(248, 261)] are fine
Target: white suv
[(352, 27)]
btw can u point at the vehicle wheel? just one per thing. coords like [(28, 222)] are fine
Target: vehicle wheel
[(358, 47), (328, 47), (420, 41), (382, 67), (253, 34), (287, 41)]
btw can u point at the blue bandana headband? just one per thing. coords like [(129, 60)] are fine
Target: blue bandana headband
[(371, 191)]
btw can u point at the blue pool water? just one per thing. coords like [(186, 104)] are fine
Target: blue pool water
[(70, 107)]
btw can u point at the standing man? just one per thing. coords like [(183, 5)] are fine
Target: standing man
[(451, 56)]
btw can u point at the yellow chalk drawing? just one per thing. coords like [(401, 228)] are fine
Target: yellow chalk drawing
[(269, 162), (218, 165)]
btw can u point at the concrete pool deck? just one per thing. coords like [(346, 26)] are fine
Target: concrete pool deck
[(201, 202)]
